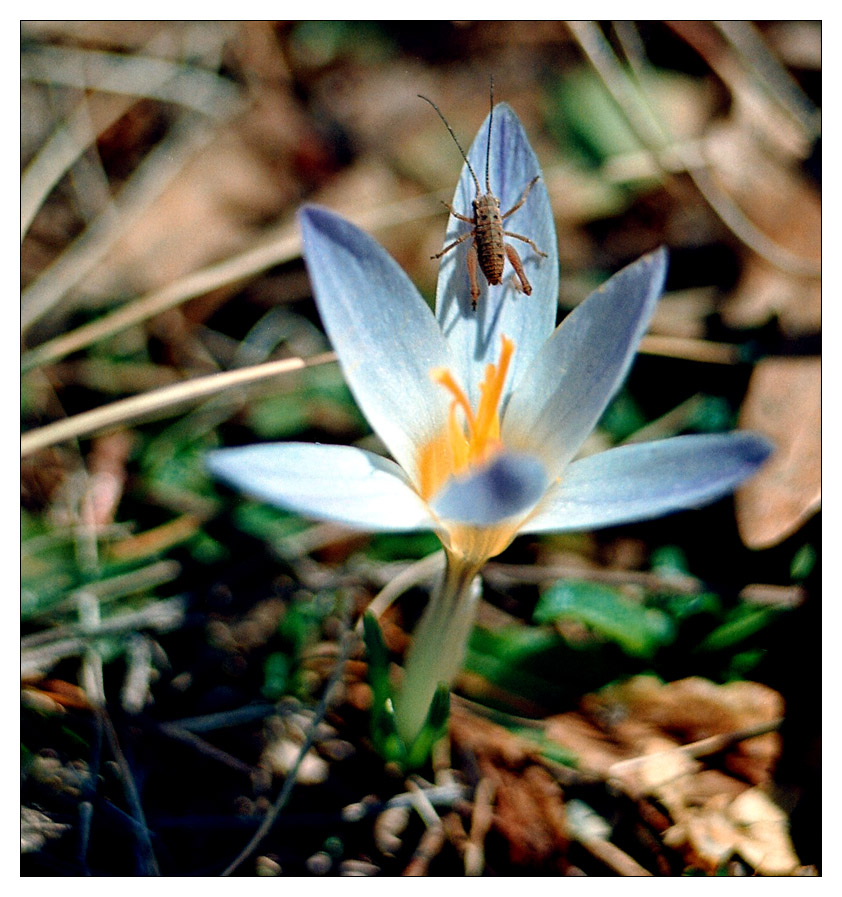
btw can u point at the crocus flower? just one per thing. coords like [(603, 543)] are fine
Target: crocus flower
[(482, 411)]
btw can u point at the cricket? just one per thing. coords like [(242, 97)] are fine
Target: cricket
[(488, 249)]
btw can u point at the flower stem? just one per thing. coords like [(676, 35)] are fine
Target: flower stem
[(439, 644)]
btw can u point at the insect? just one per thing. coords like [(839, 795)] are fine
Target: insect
[(488, 249)]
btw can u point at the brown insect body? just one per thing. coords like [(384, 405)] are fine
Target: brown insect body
[(488, 249), (488, 237)]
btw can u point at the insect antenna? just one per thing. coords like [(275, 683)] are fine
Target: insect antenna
[(490, 121), (458, 145)]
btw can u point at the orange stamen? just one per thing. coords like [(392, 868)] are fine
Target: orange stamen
[(487, 428), (477, 438)]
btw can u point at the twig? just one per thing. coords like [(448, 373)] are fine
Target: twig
[(114, 587), (589, 829), (667, 424), (508, 573), (315, 538), (413, 575), (136, 75), (613, 857), (135, 691), (282, 244), (714, 744), (153, 175), (765, 594), (41, 650), (482, 816), (156, 401), (758, 58), (438, 796), (114, 74), (433, 838), (690, 349), (92, 680), (657, 140), (422, 804), (177, 733), (769, 595), (161, 614), (132, 796), (289, 783), (226, 718), (428, 849)]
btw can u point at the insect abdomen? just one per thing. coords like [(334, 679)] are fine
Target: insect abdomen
[(488, 237)]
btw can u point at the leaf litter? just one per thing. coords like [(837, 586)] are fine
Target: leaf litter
[(641, 776)]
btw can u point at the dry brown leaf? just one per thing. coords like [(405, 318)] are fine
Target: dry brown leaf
[(595, 750), (36, 828), (715, 816), (683, 313), (751, 826), (764, 833), (106, 35), (783, 403), (644, 715), (649, 740), (529, 810), (694, 708), (787, 209), (212, 209)]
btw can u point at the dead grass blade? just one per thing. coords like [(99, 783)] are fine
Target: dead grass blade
[(166, 399)]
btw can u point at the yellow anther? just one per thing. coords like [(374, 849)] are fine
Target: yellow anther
[(475, 439), (469, 438), (487, 425), (460, 447), (443, 377)]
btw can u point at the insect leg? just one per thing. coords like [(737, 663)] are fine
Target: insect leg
[(508, 233), (522, 199), (461, 239), (514, 258), (456, 214), (472, 274)]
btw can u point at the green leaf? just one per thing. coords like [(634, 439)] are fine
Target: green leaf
[(276, 674), (378, 660), (402, 546), (743, 623), (743, 663), (601, 129), (681, 607), (384, 732), (593, 118), (622, 417), (280, 418), (434, 728), (713, 415), (320, 399), (550, 749), (536, 664), (669, 560), (300, 624), (637, 629), (266, 523), (802, 563)]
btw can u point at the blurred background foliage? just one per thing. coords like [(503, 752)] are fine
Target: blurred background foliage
[(162, 165)]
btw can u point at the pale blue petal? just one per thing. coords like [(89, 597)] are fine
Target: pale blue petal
[(385, 335), (638, 482), (474, 336), (580, 368), (327, 482), (508, 485)]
